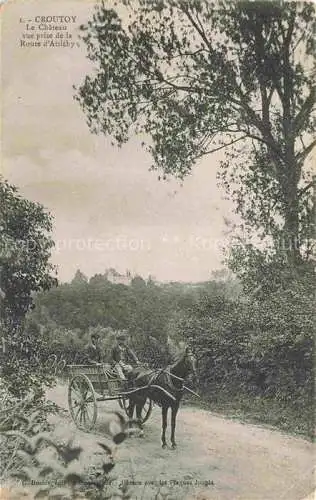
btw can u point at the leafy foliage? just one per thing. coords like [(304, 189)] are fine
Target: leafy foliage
[(25, 252), (260, 349), (69, 314), (250, 347), (24, 270), (51, 469), (26, 415), (197, 77), (22, 367)]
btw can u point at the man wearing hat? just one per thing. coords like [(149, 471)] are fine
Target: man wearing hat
[(122, 354), (94, 351)]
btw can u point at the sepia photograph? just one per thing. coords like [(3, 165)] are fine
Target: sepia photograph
[(157, 250)]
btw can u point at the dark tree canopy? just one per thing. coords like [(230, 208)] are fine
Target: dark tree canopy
[(194, 77), (25, 252), (79, 278)]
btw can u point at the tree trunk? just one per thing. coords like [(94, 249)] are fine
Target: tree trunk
[(314, 208), (291, 243)]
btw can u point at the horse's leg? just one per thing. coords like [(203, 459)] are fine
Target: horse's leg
[(131, 407), (164, 411), (174, 411), (139, 407)]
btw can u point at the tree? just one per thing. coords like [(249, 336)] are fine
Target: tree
[(138, 282), (79, 278), (197, 77), (25, 252)]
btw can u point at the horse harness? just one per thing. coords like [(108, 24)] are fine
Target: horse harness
[(169, 377), (153, 382)]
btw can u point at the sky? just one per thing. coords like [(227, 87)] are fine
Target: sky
[(109, 210)]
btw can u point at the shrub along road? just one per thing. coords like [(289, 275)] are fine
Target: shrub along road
[(216, 458)]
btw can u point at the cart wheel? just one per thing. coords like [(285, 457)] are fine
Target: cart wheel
[(82, 402), (146, 411)]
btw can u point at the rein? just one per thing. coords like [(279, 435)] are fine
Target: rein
[(139, 389), (155, 374), (184, 386), (190, 390), (172, 375)]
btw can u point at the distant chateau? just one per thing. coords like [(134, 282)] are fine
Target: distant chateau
[(115, 277)]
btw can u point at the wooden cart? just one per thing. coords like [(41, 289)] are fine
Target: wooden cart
[(90, 384)]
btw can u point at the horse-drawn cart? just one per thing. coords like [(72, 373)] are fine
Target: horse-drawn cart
[(90, 384)]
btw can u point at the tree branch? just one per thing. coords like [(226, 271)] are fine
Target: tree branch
[(199, 29), (260, 53), (306, 188), (259, 124), (305, 109), (180, 87), (287, 39), (267, 137), (222, 147), (300, 157)]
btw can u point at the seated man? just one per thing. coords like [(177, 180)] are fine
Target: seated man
[(94, 351), (121, 354)]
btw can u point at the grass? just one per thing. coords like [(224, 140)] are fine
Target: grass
[(293, 419)]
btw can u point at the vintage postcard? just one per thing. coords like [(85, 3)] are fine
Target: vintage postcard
[(156, 261)]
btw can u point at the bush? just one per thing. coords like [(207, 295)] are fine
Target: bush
[(50, 469), (22, 367), (257, 349)]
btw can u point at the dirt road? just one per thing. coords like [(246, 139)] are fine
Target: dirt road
[(216, 458)]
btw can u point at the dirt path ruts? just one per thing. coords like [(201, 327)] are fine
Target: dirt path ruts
[(216, 458)]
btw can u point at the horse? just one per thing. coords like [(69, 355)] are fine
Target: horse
[(165, 387)]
